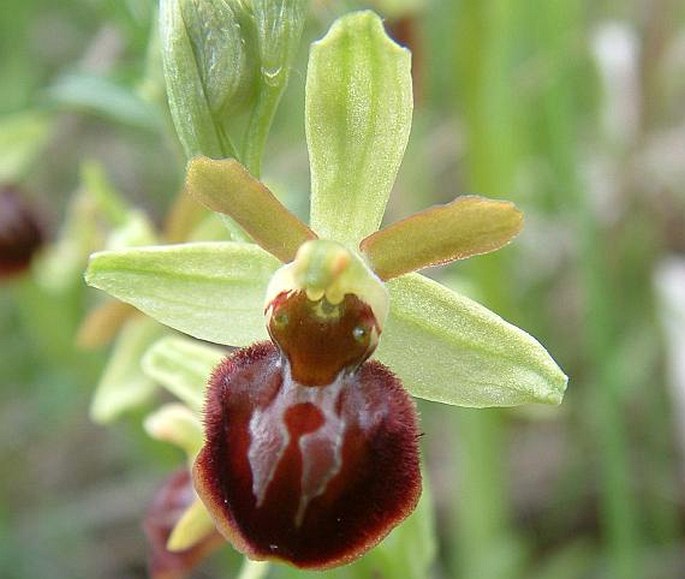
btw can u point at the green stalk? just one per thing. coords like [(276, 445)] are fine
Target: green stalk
[(253, 569), (485, 537), (260, 125), (483, 520), (619, 510)]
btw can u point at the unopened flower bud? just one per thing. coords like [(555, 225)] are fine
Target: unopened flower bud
[(279, 27), (210, 65), (168, 506)]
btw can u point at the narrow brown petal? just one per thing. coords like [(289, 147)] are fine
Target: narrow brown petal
[(183, 217), (103, 323), (227, 187), (467, 226), (313, 476)]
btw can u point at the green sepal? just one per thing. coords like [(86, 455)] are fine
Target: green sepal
[(358, 112), (446, 347), (467, 226), (182, 366), (177, 424), (227, 187), (193, 527), (123, 386), (212, 291)]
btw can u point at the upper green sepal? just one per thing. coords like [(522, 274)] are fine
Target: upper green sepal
[(446, 347), (212, 291), (358, 111)]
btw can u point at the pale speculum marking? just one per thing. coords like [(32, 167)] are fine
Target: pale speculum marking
[(320, 449)]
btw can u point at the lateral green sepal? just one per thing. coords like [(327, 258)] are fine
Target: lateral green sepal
[(212, 291), (446, 347)]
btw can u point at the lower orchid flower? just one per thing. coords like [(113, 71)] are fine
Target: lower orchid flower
[(169, 505), (21, 234), (310, 452)]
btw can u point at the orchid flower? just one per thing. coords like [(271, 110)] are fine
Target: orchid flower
[(310, 452)]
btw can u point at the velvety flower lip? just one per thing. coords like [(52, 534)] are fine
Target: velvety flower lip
[(311, 475)]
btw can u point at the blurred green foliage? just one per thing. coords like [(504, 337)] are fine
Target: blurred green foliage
[(573, 111)]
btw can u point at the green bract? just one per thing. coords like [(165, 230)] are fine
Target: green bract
[(443, 346)]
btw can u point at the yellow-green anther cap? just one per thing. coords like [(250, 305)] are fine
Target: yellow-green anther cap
[(327, 269)]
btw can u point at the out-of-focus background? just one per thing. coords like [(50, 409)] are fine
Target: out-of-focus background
[(575, 111)]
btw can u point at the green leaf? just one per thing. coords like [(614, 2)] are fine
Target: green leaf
[(104, 97), (22, 137), (227, 187), (212, 291), (357, 117), (182, 366), (447, 348), (123, 386), (468, 226), (178, 425)]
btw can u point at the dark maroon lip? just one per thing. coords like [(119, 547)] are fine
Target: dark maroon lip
[(311, 476)]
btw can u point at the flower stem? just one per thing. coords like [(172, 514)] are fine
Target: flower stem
[(619, 510), (486, 546), (260, 124), (483, 518), (253, 569)]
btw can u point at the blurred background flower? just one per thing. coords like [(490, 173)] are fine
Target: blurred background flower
[(573, 112)]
